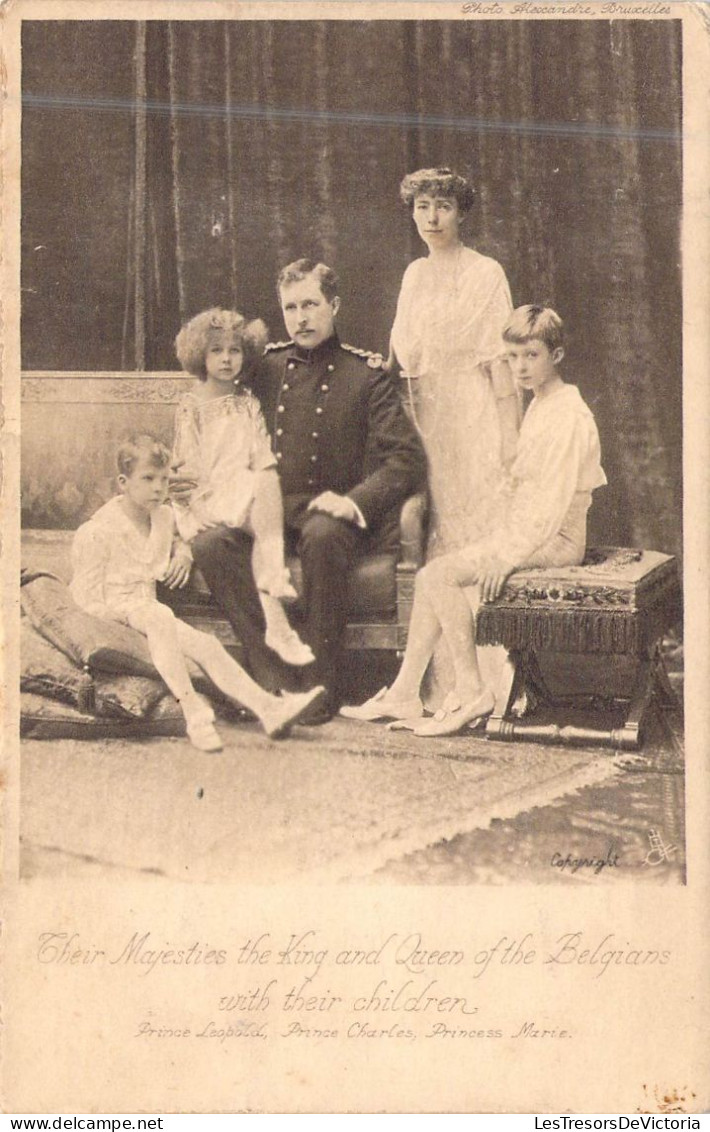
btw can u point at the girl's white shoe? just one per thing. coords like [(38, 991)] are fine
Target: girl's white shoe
[(278, 584), (289, 646), (280, 636)]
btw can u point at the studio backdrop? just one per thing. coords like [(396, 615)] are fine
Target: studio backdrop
[(171, 166)]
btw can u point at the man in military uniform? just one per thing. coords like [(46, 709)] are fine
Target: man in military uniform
[(347, 455)]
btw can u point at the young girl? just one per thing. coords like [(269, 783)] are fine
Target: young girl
[(118, 556), (221, 444), (543, 506)]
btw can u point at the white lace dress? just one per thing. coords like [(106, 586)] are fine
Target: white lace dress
[(222, 444), (447, 329)]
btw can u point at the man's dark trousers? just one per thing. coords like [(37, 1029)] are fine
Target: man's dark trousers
[(223, 556), (328, 549)]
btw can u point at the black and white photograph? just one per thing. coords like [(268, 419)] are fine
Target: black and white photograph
[(374, 365), (358, 469)]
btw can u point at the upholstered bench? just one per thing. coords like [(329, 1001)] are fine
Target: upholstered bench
[(610, 613), (380, 597)]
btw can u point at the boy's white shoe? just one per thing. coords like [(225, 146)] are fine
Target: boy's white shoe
[(287, 710), (199, 722), (205, 737)]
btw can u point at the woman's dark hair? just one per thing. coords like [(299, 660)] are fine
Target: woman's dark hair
[(441, 182)]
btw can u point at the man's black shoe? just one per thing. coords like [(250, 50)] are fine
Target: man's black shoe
[(321, 713)]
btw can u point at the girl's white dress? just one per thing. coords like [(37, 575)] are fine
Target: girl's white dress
[(545, 498), (450, 314), (223, 444), (115, 567)]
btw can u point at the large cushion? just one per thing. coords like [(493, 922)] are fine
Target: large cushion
[(90, 642), (127, 697), (48, 672), (87, 640), (44, 718)]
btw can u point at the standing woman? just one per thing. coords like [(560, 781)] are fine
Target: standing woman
[(446, 341)]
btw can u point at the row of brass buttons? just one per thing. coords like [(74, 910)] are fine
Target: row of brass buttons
[(325, 388)]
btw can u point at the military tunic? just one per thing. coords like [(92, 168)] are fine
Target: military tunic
[(337, 424)]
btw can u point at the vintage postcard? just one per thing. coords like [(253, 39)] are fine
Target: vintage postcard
[(355, 557)]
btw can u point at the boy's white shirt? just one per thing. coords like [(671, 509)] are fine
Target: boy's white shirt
[(558, 459), (113, 563)]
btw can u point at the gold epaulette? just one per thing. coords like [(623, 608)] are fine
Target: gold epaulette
[(277, 345), (375, 361)]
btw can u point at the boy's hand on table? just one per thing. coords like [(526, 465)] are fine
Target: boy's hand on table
[(489, 574), (492, 576)]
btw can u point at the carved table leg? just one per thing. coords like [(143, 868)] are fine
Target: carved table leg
[(559, 735), (510, 685), (534, 680), (628, 737), (521, 675)]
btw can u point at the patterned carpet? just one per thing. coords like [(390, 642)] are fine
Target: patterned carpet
[(343, 802)]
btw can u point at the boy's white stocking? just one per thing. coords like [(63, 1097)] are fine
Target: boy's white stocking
[(222, 669), (160, 627)]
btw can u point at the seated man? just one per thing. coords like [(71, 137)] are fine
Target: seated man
[(348, 457)]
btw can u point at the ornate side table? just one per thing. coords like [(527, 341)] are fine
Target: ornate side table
[(618, 604)]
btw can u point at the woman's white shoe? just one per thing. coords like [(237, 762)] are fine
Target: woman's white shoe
[(379, 708), (453, 716)]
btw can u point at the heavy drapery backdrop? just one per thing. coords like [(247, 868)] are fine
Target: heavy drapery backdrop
[(170, 166)]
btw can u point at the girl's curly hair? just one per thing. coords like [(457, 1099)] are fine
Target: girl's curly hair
[(440, 182), (193, 340)]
